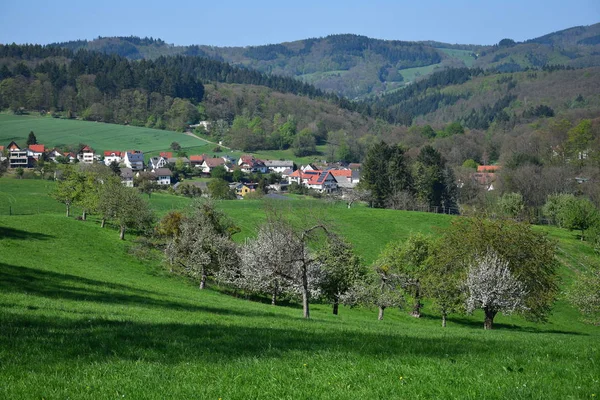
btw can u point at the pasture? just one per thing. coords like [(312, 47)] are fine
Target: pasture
[(83, 318), (60, 132)]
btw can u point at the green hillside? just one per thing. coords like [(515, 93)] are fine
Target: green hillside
[(82, 318), (100, 136), (356, 66)]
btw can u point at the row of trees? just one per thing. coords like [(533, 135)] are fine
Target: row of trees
[(498, 266), (99, 191)]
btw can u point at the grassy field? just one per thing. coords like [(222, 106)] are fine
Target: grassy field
[(82, 318), (100, 136), (59, 132)]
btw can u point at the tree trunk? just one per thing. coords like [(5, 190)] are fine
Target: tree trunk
[(203, 280), (103, 223), (336, 306), (443, 319), (122, 233), (489, 318), (416, 312), (305, 294), (381, 309), (274, 295), (84, 215), (68, 210)]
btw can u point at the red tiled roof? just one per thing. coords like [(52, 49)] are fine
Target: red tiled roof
[(111, 152), (38, 148), (341, 172), (197, 158), (1, 148), (488, 168), (166, 154), (87, 148)]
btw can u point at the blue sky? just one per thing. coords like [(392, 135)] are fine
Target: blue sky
[(255, 22)]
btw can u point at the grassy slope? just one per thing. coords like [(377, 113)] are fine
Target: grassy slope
[(83, 319), (53, 132), (100, 137)]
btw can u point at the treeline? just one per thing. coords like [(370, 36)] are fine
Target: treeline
[(174, 77)]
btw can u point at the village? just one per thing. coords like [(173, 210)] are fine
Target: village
[(132, 165)]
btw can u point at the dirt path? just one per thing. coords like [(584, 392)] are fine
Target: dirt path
[(207, 141)]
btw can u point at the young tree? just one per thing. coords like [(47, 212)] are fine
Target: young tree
[(579, 214), (125, 206), (341, 269), (68, 190), (511, 205), (219, 189), (381, 289), (146, 183), (203, 245), (444, 285), (585, 294), (20, 172), (493, 288), (408, 260)]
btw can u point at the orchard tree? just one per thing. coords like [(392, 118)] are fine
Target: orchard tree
[(69, 188), (341, 269), (265, 265), (443, 284), (146, 183), (579, 214), (203, 245), (382, 289), (585, 294), (530, 258), (125, 206), (493, 288), (408, 260)]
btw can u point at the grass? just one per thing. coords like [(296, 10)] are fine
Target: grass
[(82, 318), (410, 74), (463, 55), (54, 132), (59, 132)]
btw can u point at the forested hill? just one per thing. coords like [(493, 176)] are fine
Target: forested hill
[(357, 66)]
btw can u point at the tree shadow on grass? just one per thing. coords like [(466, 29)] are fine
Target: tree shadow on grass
[(57, 340), (56, 285), (463, 321), (11, 233)]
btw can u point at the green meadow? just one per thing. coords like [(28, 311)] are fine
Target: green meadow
[(56, 132), (82, 318)]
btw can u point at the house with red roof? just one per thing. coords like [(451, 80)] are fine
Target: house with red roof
[(196, 160), (36, 151), (86, 155), (111, 156), (325, 181), (166, 154)]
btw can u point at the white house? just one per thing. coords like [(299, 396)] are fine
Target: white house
[(279, 166), (111, 156), (157, 162), (86, 155), (163, 176), (134, 159)]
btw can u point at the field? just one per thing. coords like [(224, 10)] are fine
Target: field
[(59, 132), (56, 132), (82, 318)]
